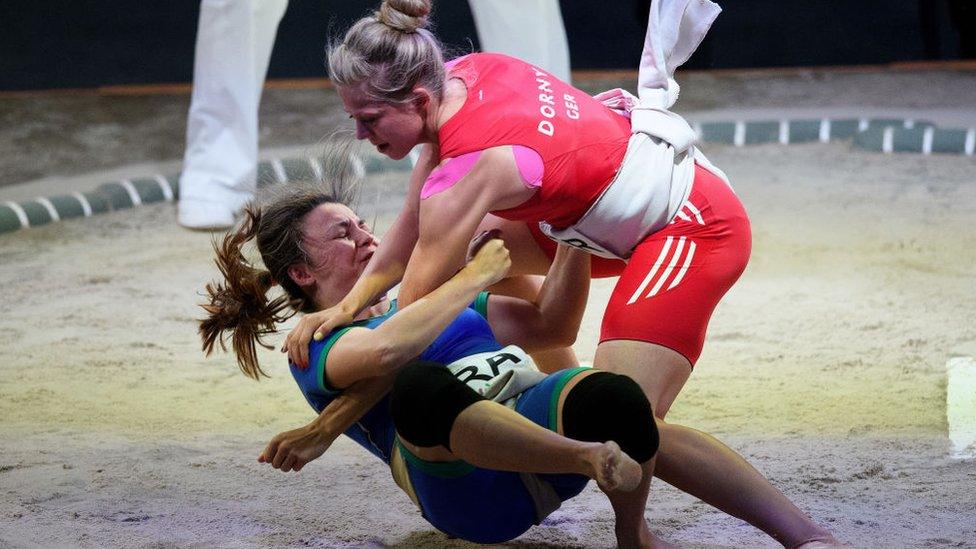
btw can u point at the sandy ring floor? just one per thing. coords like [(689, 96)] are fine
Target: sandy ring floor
[(824, 367)]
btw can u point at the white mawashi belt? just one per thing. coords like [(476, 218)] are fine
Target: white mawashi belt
[(658, 169), (651, 185)]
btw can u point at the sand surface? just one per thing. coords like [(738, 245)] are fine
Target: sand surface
[(824, 366)]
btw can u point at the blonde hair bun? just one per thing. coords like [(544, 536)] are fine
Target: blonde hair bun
[(404, 15)]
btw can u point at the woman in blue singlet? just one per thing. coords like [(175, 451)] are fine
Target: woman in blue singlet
[(483, 443)]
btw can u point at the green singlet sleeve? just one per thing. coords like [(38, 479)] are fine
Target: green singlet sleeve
[(481, 304), (320, 363)]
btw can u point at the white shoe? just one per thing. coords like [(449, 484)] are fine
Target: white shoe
[(206, 216)]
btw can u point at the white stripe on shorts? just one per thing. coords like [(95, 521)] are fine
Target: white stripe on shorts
[(684, 268), (653, 271), (667, 272), (695, 211)]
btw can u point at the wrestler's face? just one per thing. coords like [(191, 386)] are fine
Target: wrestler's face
[(339, 245), (393, 128)]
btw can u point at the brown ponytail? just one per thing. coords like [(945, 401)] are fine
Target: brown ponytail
[(240, 303)]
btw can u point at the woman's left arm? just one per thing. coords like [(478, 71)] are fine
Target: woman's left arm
[(292, 450)]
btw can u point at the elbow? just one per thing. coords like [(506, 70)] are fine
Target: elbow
[(554, 335), (564, 337)]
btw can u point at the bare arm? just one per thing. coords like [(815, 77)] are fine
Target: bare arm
[(553, 318), (388, 264), (363, 353), (291, 450), (366, 361), (448, 220)]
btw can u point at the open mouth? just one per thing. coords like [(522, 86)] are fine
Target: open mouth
[(383, 148)]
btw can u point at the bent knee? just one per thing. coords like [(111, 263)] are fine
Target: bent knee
[(606, 406), (425, 402)]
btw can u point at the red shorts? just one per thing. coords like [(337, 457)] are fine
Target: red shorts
[(676, 276)]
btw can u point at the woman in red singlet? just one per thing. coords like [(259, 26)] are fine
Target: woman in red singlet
[(505, 138)]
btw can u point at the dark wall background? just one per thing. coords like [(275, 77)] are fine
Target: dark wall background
[(84, 43)]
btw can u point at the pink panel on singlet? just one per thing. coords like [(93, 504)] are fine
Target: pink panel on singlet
[(528, 161), (530, 166), (451, 172)]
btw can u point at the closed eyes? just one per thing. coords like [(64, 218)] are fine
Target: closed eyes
[(343, 233)]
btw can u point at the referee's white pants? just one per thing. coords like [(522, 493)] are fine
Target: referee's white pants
[(528, 29), (233, 47)]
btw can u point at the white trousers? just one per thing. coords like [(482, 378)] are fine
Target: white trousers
[(234, 42), (531, 30), (233, 47)]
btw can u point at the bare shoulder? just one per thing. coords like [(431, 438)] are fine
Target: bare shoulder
[(455, 94), (488, 177), (496, 169)]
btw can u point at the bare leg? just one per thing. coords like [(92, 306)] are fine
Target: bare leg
[(662, 373), (489, 435), (628, 507), (630, 526), (697, 463)]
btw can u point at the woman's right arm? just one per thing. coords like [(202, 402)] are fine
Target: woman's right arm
[(363, 353), (553, 318), (384, 271), (292, 450)]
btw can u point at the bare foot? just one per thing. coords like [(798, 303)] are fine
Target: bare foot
[(659, 543), (643, 538), (825, 543), (614, 470)]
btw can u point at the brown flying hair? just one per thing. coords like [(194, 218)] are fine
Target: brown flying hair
[(239, 303)]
